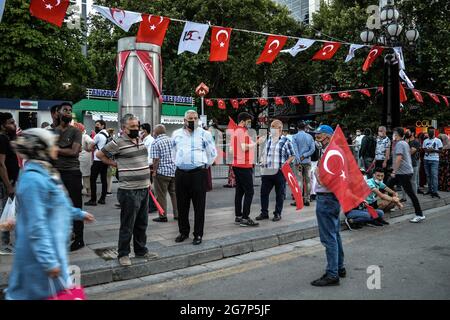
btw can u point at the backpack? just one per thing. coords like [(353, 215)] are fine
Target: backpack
[(108, 139)]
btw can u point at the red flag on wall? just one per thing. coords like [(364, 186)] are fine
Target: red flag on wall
[(273, 46), (344, 95), (293, 184), (221, 104), (339, 172), (152, 29), (209, 102), (310, 100), (220, 42), (234, 103), (365, 92), (53, 12), (279, 101), (417, 95), (434, 97), (327, 51), (373, 54), (294, 100), (326, 97)]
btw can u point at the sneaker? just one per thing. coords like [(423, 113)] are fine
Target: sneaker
[(148, 256), (342, 273), (248, 223), (237, 220), (276, 218), (6, 251), (160, 219), (101, 201), (109, 194), (125, 261), (76, 245), (262, 217), (417, 219), (325, 281)]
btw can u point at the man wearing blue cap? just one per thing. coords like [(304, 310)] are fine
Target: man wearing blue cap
[(327, 212)]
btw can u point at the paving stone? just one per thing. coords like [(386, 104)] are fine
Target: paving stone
[(238, 248)]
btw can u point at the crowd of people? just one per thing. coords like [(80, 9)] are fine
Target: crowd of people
[(47, 170)]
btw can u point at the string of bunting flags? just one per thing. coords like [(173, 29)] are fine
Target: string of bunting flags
[(152, 29), (236, 103)]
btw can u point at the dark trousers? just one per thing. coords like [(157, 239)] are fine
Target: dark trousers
[(404, 180), (72, 181), (98, 167), (191, 185), (133, 221), (244, 189), (267, 184)]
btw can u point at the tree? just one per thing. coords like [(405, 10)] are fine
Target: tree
[(36, 58)]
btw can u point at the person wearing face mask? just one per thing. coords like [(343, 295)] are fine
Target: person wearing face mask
[(382, 197), (193, 151), (382, 150), (98, 167), (68, 165), (9, 171), (277, 152), (357, 140), (403, 172), (432, 148), (131, 160)]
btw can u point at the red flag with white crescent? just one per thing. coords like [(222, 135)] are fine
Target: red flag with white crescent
[(365, 92), (234, 103), (403, 96), (209, 102), (220, 42), (273, 46), (52, 11), (221, 104), (327, 51), (122, 58), (339, 173), (152, 29), (418, 96), (293, 185), (326, 97), (294, 100), (310, 100), (373, 54), (147, 64), (434, 97), (380, 89), (344, 95), (279, 101), (263, 102), (445, 100)]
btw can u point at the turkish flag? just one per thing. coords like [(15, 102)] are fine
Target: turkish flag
[(273, 46), (243, 101), (262, 102), (445, 100), (373, 54), (327, 51), (365, 92), (231, 124), (209, 102), (147, 64), (339, 173), (310, 100), (294, 100), (417, 95), (434, 97), (380, 89), (221, 104), (121, 60), (344, 95), (52, 11), (373, 213), (152, 29), (158, 206), (234, 103), (403, 96), (293, 184), (326, 97), (220, 41), (279, 101)]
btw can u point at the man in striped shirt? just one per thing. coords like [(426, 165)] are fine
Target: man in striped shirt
[(131, 160), (277, 151)]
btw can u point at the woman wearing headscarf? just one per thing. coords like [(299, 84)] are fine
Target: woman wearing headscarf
[(85, 158), (444, 164), (44, 220)]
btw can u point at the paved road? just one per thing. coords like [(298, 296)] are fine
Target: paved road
[(414, 260)]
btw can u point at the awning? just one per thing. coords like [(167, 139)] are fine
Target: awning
[(172, 120), (105, 116)]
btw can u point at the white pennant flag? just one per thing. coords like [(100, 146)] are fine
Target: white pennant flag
[(121, 18), (406, 79), (301, 45), (399, 55), (351, 51), (192, 37)]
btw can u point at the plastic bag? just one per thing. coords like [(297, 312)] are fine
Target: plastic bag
[(9, 211)]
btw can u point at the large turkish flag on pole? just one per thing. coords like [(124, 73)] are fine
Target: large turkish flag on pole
[(293, 184), (339, 173)]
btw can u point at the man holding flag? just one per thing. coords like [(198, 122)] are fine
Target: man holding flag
[(340, 184)]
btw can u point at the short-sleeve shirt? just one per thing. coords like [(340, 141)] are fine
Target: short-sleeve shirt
[(402, 148), (132, 162), (11, 162), (382, 145), (415, 157), (435, 144), (372, 197), (100, 141), (66, 140), (242, 159)]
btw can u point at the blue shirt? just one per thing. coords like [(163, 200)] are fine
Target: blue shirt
[(193, 149), (304, 146), (161, 149)]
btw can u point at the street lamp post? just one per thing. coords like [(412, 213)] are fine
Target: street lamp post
[(389, 35)]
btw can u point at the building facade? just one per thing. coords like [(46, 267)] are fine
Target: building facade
[(302, 10)]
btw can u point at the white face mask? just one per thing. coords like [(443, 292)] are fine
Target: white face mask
[(358, 133), (274, 132)]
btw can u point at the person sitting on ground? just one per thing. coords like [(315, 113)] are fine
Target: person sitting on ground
[(360, 216), (381, 197)]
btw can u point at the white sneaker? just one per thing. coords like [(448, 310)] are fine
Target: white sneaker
[(417, 219), (125, 261)]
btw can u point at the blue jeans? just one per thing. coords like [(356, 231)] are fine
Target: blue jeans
[(432, 172), (362, 215), (327, 212), (267, 184)]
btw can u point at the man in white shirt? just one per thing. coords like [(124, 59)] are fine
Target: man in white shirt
[(432, 147), (98, 167), (148, 139), (357, 142)]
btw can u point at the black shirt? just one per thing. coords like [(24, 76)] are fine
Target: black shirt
[(11, 161), (66, 139), (415, 157)]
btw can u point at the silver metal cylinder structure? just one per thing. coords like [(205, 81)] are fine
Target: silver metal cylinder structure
[(136, 93)]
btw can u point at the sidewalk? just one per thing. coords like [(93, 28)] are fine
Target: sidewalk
[(222, 238)]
